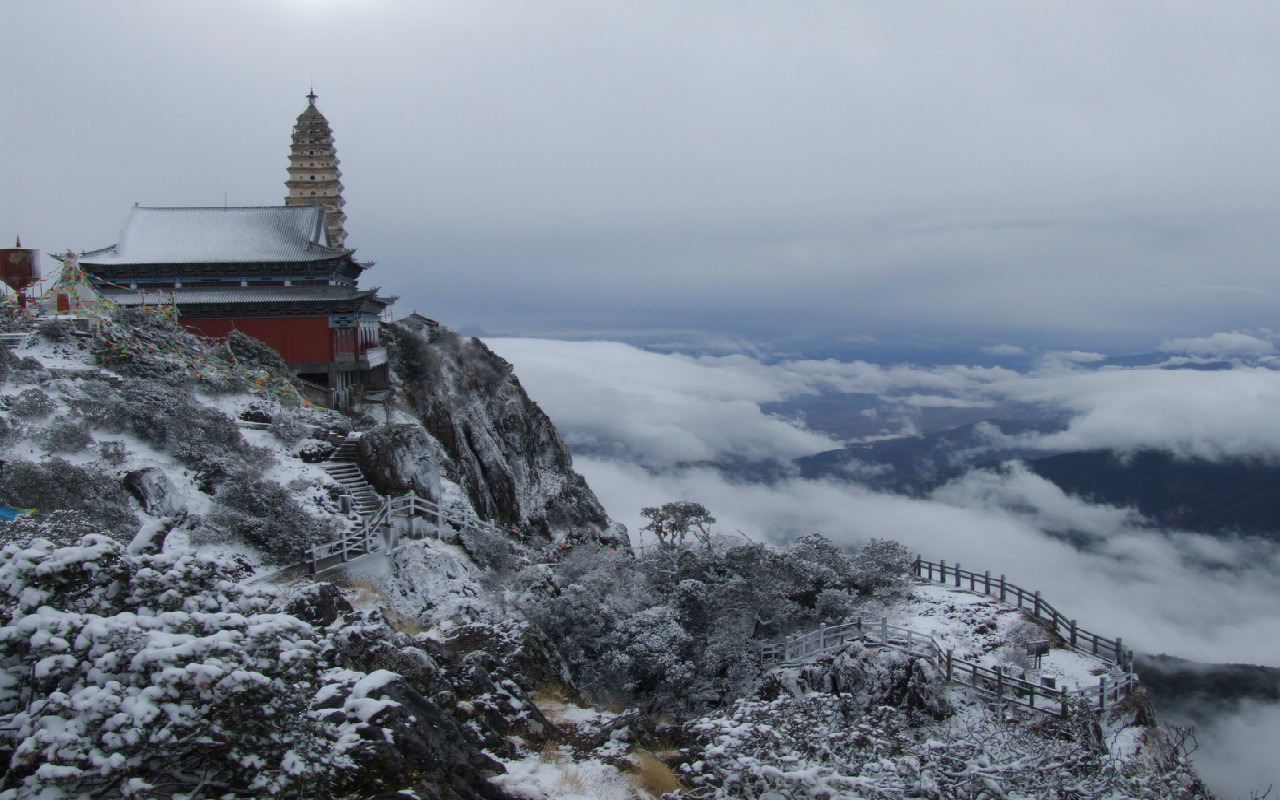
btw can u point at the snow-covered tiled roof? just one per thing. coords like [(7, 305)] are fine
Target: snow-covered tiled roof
[(262, 234), (275, 294)]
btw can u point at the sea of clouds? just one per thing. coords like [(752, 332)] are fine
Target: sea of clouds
[(647, 428)]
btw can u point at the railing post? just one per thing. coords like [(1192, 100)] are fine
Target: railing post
[(986, 582), (1002, 589), (1102, 693), (930, 568), (822, 637), (1037, 612), (957, 574), (314, 561), (942, 570), (1073, 632), (949, 665), (884, 630), (999, 683)]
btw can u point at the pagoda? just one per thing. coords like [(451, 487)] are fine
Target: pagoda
[(314, 176)]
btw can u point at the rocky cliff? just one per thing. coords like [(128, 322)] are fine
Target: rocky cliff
[(496, 443)]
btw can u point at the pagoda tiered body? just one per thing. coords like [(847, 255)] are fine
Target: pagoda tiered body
[(314, 176)]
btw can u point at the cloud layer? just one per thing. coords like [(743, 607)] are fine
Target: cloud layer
[(663, 410), (1164, 591)]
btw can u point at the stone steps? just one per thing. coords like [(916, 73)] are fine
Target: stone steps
[(342, 467)]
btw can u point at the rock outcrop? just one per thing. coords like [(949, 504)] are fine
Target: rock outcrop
[(502, 449), (399, 458), (154, 491)]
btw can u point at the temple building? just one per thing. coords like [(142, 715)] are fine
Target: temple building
[(277, 273)]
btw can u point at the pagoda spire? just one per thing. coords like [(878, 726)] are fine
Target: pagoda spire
[(314, 176)]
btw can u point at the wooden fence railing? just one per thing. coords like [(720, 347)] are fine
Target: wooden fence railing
[(1112, 650), (380, 531), (991, 681), (826, 638)]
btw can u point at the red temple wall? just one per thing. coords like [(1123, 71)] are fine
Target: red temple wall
[(298, 339)]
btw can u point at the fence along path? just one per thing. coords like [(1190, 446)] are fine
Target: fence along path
[(1112, 650), (990, 681), (380, 531)]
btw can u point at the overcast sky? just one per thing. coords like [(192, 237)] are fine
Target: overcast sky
[(1087, 174)]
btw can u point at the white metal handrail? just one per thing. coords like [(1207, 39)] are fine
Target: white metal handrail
[(379, 531)]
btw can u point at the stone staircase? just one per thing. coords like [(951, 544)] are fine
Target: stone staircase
[(342, 467)]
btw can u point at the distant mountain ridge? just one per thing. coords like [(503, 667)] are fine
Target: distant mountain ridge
[(1236, 496)]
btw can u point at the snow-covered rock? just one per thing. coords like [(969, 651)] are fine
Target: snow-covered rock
[(154, 491), (399, 458), (502, 449)]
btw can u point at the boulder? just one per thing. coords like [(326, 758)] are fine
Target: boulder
[(399, 458), (154, 491), (320, 604)]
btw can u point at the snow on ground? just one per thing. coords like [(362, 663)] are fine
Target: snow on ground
[(560, 773), (983, 629), (554, 776), (72, 361)]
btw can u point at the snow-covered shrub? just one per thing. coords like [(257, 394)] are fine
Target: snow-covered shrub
[(13, 319), (490, 550), (264, 514), (219, 381), (31, 403), (834, 743), (153, 676), (679, 628), (113, 451), (8, 363), (254, 354), (55, 330), (818, 564), (658, 652), (834, 605), (142, 344), (882, 565), (56, 484), (172, 419), (60, 527), (288, 427), (315, 451), (67, 436)]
